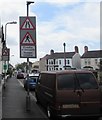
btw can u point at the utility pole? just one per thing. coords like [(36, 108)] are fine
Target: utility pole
[(64, 56)]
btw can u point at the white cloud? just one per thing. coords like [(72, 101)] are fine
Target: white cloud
[(77, 26)]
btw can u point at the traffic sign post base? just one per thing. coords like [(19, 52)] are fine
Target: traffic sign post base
[(28, 104)]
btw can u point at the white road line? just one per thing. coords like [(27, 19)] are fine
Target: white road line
[(20, 83), (33, 97), (30, 92)]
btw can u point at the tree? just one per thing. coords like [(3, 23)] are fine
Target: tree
[(23, 66), (101, 65)]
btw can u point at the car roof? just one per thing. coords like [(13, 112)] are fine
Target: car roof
[(67, 71), (34, 74)]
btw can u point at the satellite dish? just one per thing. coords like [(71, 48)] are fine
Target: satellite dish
[(76, 61)]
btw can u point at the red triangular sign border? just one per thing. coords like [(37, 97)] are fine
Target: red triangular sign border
[(27, 28), (21, 43)]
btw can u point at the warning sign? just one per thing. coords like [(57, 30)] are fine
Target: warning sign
[(27, 40), (5, 54), (27, 25)]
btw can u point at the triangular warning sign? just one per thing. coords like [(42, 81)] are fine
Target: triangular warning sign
[(27, 40), (27, 25)]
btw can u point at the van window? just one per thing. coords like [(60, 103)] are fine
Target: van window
[(47, 80), (87, 80), (66, 81)]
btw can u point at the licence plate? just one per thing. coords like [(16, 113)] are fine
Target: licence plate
[(71, 106)]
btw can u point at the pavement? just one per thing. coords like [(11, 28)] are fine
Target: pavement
[(14, 103), (0, 100)]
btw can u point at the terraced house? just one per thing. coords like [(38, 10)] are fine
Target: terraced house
[(91, 59), (57, 61)]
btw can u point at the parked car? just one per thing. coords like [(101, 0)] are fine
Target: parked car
[(20, 75), (68, 93), (31, 82)]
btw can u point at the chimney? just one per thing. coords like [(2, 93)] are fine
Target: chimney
[(51, 52), (76, 49), (85, 49)]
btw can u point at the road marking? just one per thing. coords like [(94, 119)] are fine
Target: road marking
[(20, 83), (33, 97)]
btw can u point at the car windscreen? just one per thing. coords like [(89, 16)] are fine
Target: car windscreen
[(86, 80), (66, 81)]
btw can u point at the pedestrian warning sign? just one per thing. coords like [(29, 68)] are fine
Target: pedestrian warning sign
[(27, 25), (27, 40)]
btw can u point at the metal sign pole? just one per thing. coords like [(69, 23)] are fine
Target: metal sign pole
[(28, 105), (4, 85)]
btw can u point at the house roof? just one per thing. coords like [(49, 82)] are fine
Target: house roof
[(61, 55), (92, 54)]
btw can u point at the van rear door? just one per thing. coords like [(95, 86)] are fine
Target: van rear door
[(66, 96), (90, 95), (76, 96)]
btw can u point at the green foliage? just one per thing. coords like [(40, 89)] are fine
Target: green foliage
[(101, 65), (22, 66)]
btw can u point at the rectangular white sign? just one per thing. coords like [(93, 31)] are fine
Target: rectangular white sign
[(28, 51)]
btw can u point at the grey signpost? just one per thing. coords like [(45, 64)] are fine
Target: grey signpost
[(28, 43)]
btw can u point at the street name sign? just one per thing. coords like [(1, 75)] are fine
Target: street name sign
[(27, 37)]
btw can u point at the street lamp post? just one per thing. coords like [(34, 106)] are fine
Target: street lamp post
[(14, 22), (6, 47), (28, 95)]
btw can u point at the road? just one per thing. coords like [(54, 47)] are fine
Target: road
[(14, 102)]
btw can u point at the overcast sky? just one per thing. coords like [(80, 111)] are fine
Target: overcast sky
[(74, 22)]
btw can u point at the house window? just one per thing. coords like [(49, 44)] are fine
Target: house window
[(89, 62), (52, 69), (68, 62), (56, 62), (60, 68), (56, 68), (49, 69), (96, 61), (60, 62), (85, 62), (52, 62), (49, 62)]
